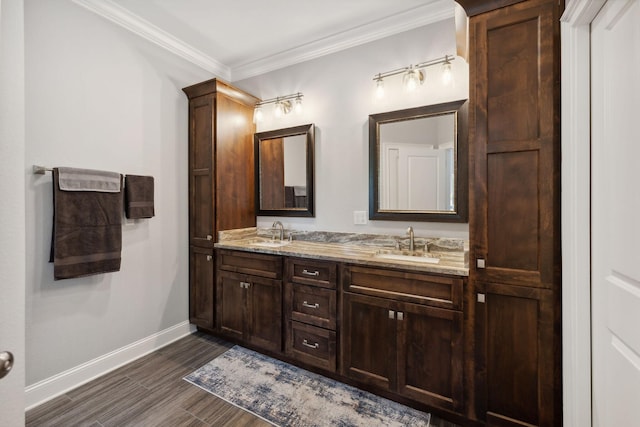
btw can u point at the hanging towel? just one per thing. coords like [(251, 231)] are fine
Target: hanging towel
[(87, 222), (138, 192)]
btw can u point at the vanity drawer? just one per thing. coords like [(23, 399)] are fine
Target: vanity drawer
[(313, 305), (409, 286), (312, 272), (250, 263), (312, 345)]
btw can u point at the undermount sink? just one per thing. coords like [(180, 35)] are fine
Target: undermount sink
[(271, 243), (415, 256)]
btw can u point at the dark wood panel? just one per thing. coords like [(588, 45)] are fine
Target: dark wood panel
[(430, 356), (235, 171), (310, 304), (202, 289), (513, 229), (250, 263), (514, 125), (312, 345), (201, 167), (312, 272), (368, 352), (231, 305), (264, 308), (512, 90), (420, 288), (272, 184), (516, 357)]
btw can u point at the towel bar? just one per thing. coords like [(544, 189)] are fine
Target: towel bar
[(40, 170)]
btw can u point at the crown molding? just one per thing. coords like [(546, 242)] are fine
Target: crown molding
[(143, 28), (430, 13)]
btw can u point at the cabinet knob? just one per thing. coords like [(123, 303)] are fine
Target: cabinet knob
[(480, 263), (245, 285), (209, 237), (400, 315), (481, 298), (392, 314), (209, 257)]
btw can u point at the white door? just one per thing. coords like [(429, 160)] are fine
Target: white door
[(415, 177), (615, 208), (12, 219)]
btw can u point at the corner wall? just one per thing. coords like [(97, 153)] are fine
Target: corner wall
[(99, 97)]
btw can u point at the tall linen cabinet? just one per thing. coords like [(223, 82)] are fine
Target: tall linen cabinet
[(514, 224), (221, 182)]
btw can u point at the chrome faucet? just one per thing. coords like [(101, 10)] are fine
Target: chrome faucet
[(275, 226), (412, 244)]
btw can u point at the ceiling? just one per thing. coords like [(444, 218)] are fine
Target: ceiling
[(236, 39)]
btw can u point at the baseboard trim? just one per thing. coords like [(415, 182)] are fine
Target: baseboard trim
[(54, 386)]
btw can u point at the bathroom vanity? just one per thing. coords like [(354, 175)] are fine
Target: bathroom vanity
[(348, 311)]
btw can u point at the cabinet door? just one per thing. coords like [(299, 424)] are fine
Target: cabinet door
[(264, 309), (368, 350), (430, 355), (515, 356), (201, 171), (514, 132), (201, 287), (231, 301)]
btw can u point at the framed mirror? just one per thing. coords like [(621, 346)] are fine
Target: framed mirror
[(418, 164), (284, 171)]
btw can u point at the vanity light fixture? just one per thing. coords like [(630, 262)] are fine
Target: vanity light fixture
[(282, 105), (413, 76)]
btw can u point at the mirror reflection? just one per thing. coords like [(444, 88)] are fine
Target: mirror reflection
[(418, 164), (284, 171)]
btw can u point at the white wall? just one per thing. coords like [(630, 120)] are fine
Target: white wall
[(338, 98), (99, 97), (12, 222)]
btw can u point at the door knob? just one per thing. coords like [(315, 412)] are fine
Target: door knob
[(6, 363)]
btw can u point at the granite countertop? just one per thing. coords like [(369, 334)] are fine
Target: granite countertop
[(353, 248)]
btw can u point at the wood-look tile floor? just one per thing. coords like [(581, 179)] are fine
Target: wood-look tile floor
[(150, 391)]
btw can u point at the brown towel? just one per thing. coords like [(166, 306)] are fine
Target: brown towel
[(138, 192), (87, 231)]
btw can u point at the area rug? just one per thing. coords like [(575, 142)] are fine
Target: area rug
[(286, 395)]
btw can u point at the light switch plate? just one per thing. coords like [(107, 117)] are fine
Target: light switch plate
[(359, 217)]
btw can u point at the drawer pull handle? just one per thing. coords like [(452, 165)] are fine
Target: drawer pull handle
[(306, 304), (310, 273), (306, 344)]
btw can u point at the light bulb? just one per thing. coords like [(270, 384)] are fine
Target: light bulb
[(447, 75), (298, 105), (257, 115), (379, 88), (279, 110), (412, 79)]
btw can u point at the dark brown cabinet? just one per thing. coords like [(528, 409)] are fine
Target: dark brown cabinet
[(201, 291), (397, 337), (249, 298), (514, 223), (221, 181), (311, 312)]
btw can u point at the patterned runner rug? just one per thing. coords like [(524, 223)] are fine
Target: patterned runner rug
[(285, 395)]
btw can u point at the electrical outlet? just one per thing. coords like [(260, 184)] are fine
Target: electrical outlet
[(359, 217)]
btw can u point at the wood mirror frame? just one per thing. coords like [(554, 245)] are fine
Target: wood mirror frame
[(272, 195), (461, 185)]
